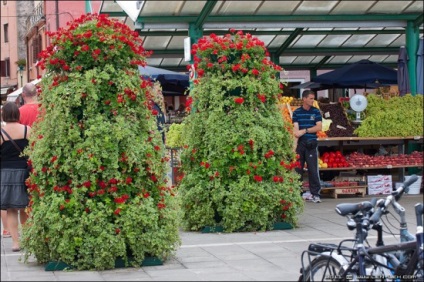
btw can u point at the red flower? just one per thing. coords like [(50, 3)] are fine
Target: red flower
[(255, 72), (128, 180), (236, 67), (157, 148), (188, 102), (117, 230), (117, 211), (239, 100), (87, 184), (262, 97), (257, 178), (53, 159), (85, 48), (153, 178), (269, 154), (251, 142)]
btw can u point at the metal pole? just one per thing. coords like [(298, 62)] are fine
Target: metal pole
[(412, 36)]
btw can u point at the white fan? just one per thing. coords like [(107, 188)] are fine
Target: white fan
[(358, 103)]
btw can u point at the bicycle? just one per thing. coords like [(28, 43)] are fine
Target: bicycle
[(359, 262)]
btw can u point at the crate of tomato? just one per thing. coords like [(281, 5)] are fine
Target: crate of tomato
[(334, 159)]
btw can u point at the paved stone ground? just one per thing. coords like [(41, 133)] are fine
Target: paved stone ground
[(251, 256)]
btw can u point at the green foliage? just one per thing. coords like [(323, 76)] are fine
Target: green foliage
[(98, 187), (397, 116), (238, 159), (174, 135)]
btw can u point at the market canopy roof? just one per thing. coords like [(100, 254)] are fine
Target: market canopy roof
[(299, 34)]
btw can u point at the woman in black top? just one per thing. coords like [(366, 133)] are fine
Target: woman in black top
[(14, 170)]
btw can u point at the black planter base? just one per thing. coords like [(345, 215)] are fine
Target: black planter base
[(119, 263)]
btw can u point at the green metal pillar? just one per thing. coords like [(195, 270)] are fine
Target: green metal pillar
[(276, 60), (412, 37), (195, 34), (312, 73), (87, 6)]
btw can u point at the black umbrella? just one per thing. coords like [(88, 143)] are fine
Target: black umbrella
[(402, 73), (173, 83), (321, 86), (420, 68), (364, 74)]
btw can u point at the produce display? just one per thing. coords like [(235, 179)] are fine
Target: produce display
[(360, 160), (174, 135), (397, 116), (286, 99), (332, 160), (340, 125)]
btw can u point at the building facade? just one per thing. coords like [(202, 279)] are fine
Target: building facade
[(23, 28), (13, 47)]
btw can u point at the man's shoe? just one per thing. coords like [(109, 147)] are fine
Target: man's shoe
[(309, 198), (316, 199)]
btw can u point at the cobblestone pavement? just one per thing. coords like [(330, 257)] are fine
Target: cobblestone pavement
[(250, 256)]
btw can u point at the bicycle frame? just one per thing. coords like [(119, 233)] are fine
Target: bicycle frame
[(363, 262)]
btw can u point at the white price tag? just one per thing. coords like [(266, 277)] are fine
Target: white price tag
[(417, 137), (341, 127), (389, 166), (327, 114)]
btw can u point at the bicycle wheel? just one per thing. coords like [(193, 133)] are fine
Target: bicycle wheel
[(322, 269)]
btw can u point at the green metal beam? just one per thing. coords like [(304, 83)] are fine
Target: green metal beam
[(276, 18), (340, 50), (207, 9), (182, 68), (322, 62), (272, 32), (312, 51), (115, 14), (288, 41), (419, 21), (324, 66)]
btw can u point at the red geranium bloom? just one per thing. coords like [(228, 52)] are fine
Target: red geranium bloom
[(257, 178), (262, 97), (239, 100)]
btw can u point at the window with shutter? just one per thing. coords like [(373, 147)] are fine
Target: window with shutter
[(5, 68), (34, 49), (6, 32)]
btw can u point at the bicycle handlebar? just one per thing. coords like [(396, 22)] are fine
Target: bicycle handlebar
[(419, 214), (395, 195)]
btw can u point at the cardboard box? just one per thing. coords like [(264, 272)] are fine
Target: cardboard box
[(378, 178), (380, 184)]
